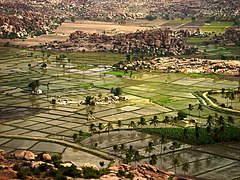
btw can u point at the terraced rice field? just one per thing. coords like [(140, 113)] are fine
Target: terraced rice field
[(22, 113)]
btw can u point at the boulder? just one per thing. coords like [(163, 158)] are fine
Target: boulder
[(20, 154), (111, 176), (90, 165), (47, 157), (27, 155)]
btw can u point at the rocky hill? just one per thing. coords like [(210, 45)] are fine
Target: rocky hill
[(27, 165), (230, 37)]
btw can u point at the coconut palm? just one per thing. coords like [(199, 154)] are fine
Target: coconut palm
[(190, 108), (162, 141), (142, 122), (119, 124), (136, 157), (197, 131), (230, 120), (132, 124), (166, 120), (153, 159), (221, 122), (109, 127), (154, 121), (185, 167), (115, 148), (100, 127), (92, 128), (200, 108), (75, 136), (209, 121), (227, 96), (175, 163), (149, 148), (232, 96)]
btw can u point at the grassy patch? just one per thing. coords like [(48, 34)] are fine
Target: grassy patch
[(118, 73), (213, 76), (217, 27)]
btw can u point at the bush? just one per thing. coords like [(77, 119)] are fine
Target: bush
[(181, 115), (90, 172), (223, 105), (22, 174)]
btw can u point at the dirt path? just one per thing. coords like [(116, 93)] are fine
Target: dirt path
[(215, 105)]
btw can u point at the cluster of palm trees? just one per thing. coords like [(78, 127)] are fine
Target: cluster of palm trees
[(219, 122), (228, 95), (176, 163)]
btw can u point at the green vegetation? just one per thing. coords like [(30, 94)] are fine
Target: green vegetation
[(206, 136), (216, 27), (118, 73)]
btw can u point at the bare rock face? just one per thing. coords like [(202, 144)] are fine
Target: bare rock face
[(47, 157), (111, 176), (94, 166), (27, 155)]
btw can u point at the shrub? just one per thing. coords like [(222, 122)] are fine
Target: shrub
[(223, 105), (90, 172)]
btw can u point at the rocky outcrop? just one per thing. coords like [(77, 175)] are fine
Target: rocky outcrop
[(149, 42), (26, 155), (230, 37)]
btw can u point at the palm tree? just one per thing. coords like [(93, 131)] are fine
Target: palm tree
[(200, 108), (227, 96), (149, 148), (136, 157), (175, 163), (221, 122), (185, 167), (115, 148), (154, 121), (75, 136), (100, 127), (230, 120), (209, 121), (109, 127), (190, 108), (153, 159), (92, 128), (232, 96), (196, 131), (119, 124), (166, 120), (132, 124), (162, 141), (142, 122)]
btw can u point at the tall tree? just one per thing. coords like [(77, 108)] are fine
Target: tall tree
[(209, 121), (132, 124), (119, 123), (154, 121), (149, 148), (153, 159), (230, 120), (100, 127), (166, 120), (221, 123), (175, 163), (109, 127), (92, 128), (185, 167), (190, 108), (200, 108), (142, 122)]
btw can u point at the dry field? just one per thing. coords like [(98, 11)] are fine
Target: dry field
[(62, 33)]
